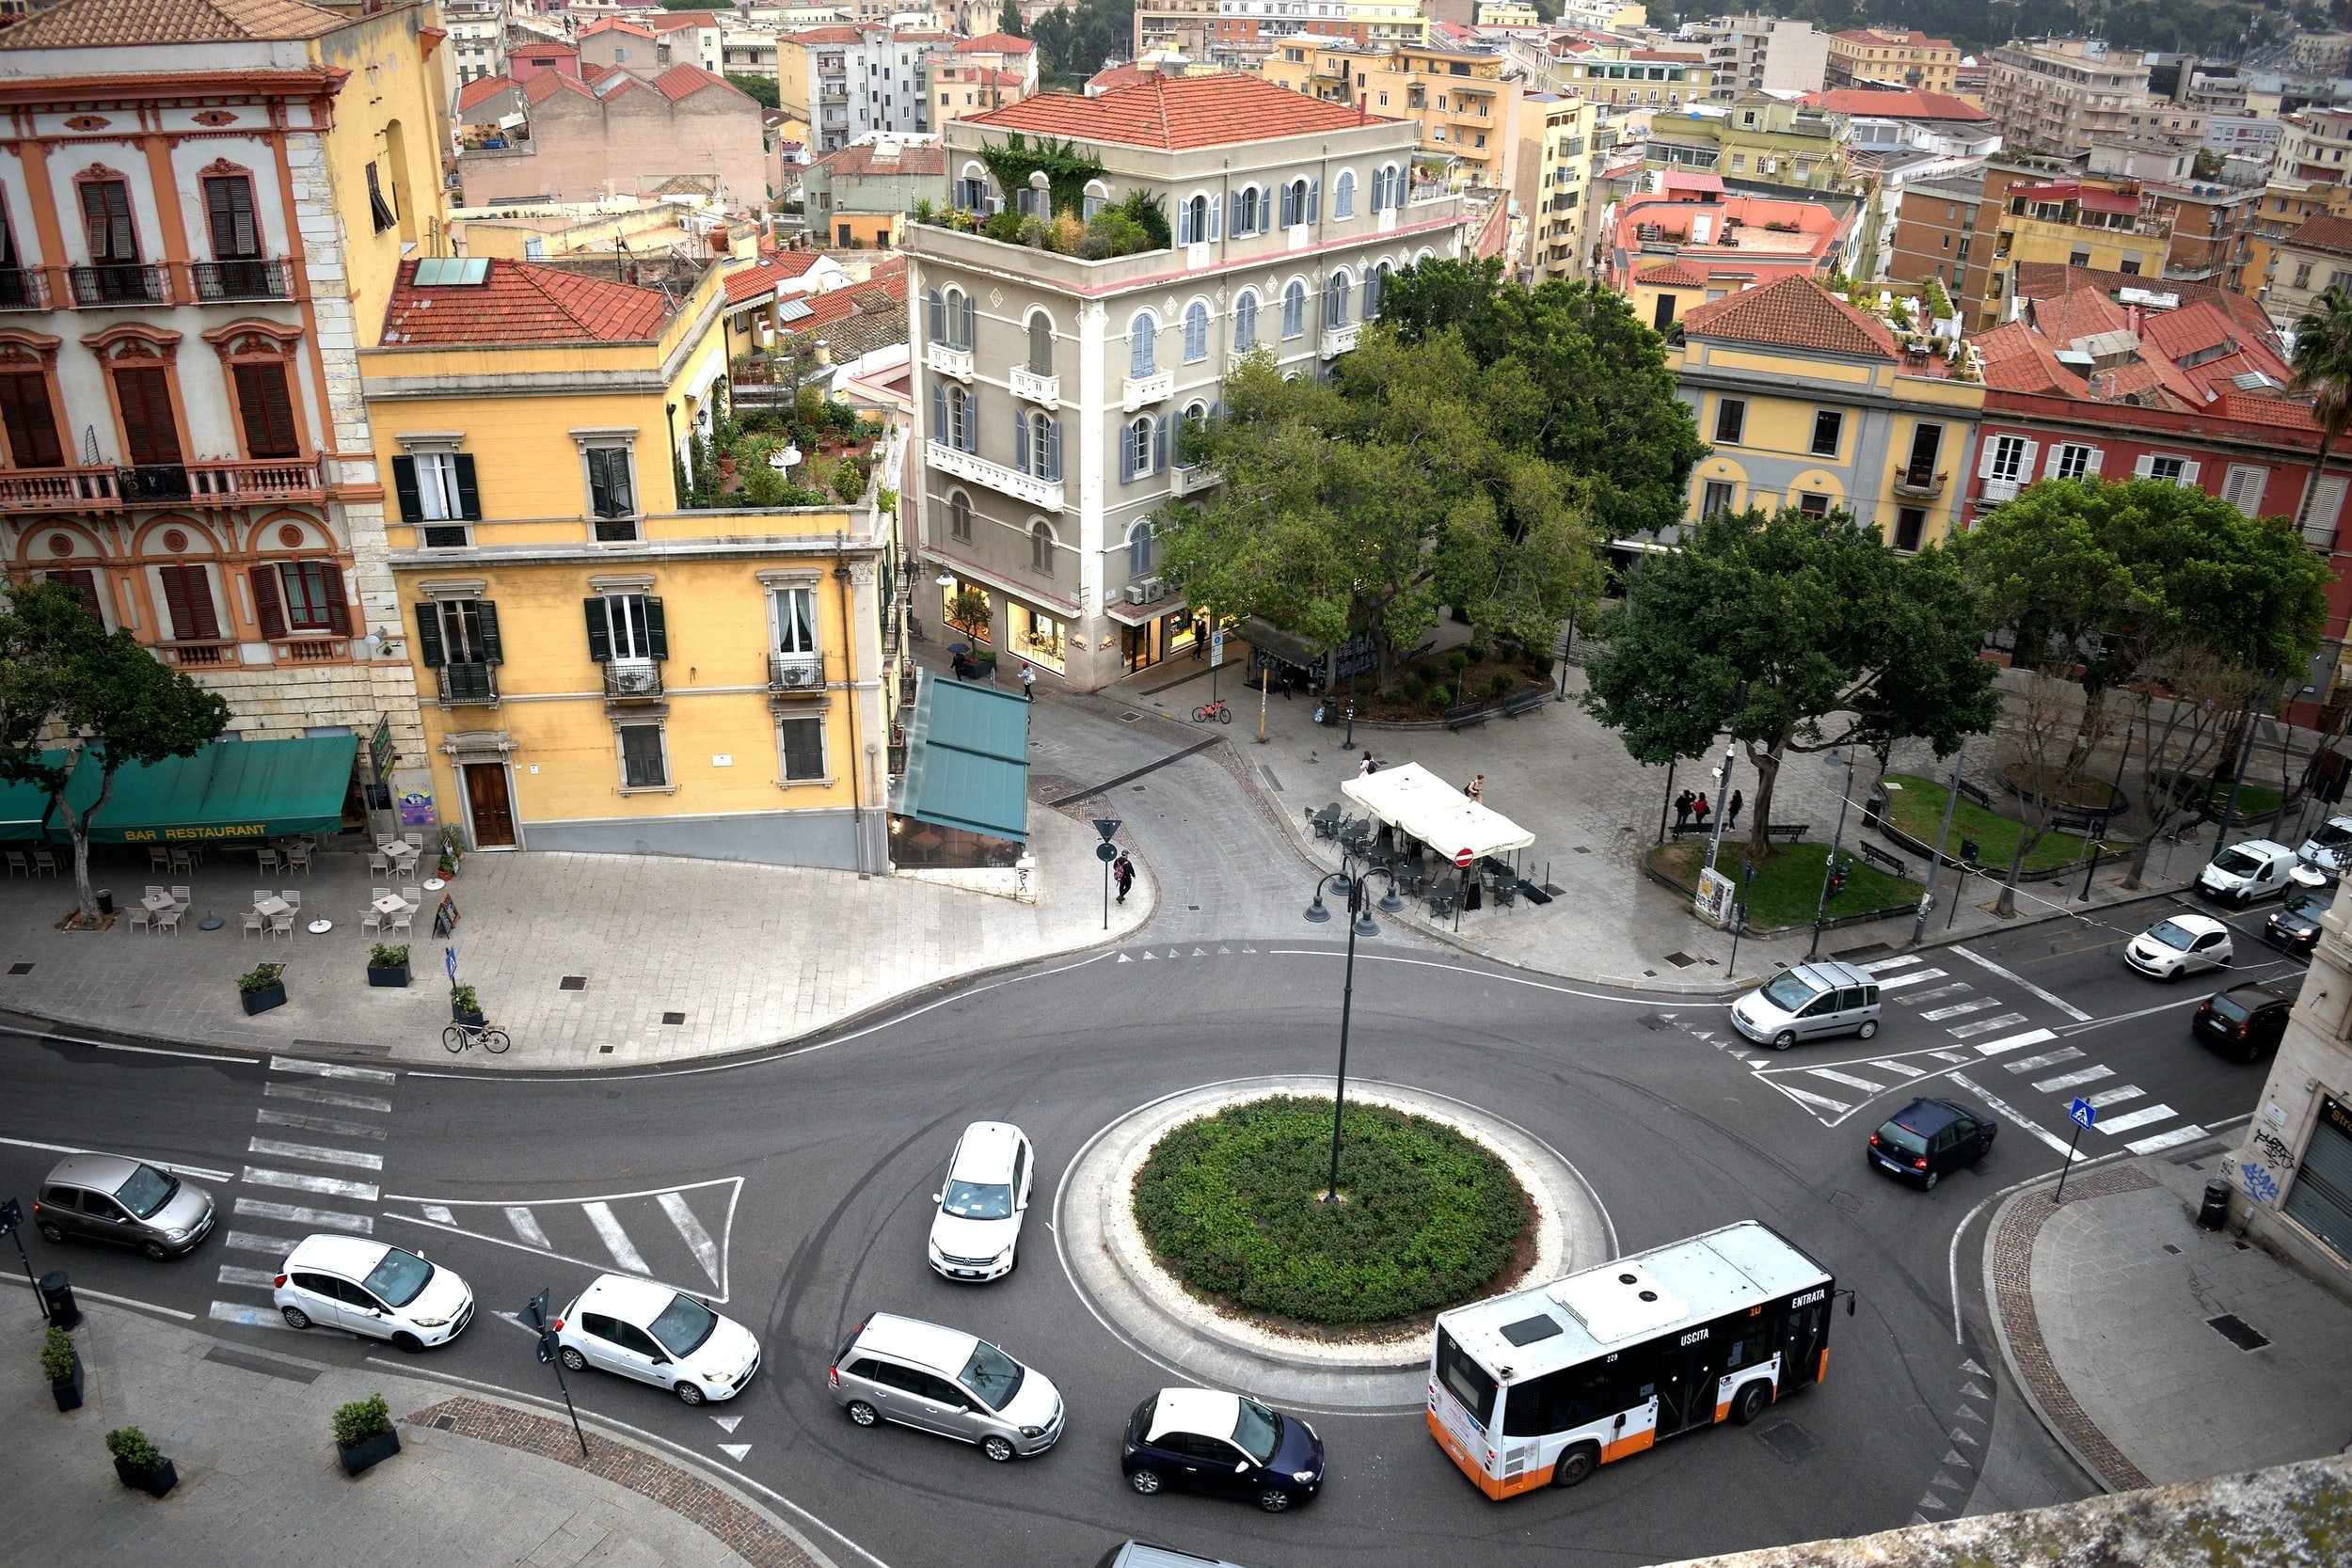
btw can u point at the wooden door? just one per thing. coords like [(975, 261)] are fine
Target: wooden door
[(491, 806)]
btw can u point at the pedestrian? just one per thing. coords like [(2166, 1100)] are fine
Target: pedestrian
[(1123, 874), (1200, 637), (1367, 768), (1476, 789), (1028, 681), (1699, 808), (1682, 811), (1731, 811), (961, 665)]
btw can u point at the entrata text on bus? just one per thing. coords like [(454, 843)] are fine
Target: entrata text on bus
[(1549, 1383)]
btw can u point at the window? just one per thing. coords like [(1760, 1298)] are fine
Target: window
[(106, 223), (2078, 258), (188, 601), (643, 762), (229, 213), (951, 317), (1335, 295), (793, 611), (1343, 195), (2129, 267), (1387, 187), (300, 596), (1828, 425), (1715, 499), (1248, 211), (1813, 503), (1302, 202), (1195, 332), (2244, 485), (1040, 344), (957, 413), (150, 433), (1192, 221), (960, 517), (2167, 471), (612, 488), (626, 627), (379, 210), (1140, 538), (1037, 445), (1042, 549), (1375, 281), (1142, 345), (2326, 501), (801, 748), (31, 421), (2007, 461), (1246, 321), (2302, 274), (266, 410), (1294, 309), (1731, 421), (1135, 449), (2075, 461), (1910, 522), (459, 632)]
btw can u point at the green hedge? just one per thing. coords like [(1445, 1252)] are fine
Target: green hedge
[(1229, 1204)]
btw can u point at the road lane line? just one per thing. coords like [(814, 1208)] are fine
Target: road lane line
[(1911, 979), (167, 1164), (1899, 1069), (2135, 1119), (2101, 1100), (1985, 1026), (332, 1069), (294, 1214), (2013, 1042), (1982, 962), (326, 1097), (526, 1223), (2166, 1140), (268, 1118), (315, 1153), (1979, 1004), (1846, 1078), (2058, 1145), (131, 1302), (706, 1250), (2068, 1079), (261, 1279), (302, 1181), (616, 1240), (2048, 1058)]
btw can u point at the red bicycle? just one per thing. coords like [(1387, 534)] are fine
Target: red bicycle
[(1217, 712)]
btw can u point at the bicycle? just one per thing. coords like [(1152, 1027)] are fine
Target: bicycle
[(1222, 712), (458, 1037)]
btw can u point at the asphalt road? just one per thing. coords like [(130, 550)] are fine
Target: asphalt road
[(805, 1180)]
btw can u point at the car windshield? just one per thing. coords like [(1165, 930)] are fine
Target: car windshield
[(2332, 834), (1903, 1137), (148, 1190), (684, 1325), (993, 1376), (2237, 862), (979, 1200), (1787, 993), (399, 1279), (1256, 1430), (2221, 1006), (2173, 934), (2310, 905)]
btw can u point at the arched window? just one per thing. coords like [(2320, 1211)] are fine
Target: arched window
[(1041, 447), (1098, 195), (957, 324), (1197, 413), (1140, 549), (1248, 211), (972, 188), (1137, 456), (1294, 204), (1335, 300), (963, 427), (1387, 187), (1192, 220), (1343, 195), (1142, 335), (1294, 309), (1246, 321), (1037, 199), (960, 516), (1195, 332), (1374, 280), (1040, 343), (1040, 548)]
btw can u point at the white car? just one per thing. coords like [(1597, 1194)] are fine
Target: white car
[(635, 1328), (987, 1191), (2181, 945), (374, 1288), (2247, 871), (2329, 848)]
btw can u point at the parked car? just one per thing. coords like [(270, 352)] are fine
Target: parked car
[(1198, 1440), (634, 1328), (982, 1202), (2293, 926), (943, 1380), (1142, 1554), (371, 1288), (2247, 871), (1808, 1002), (2181, 945), (110, 1198), (2330, 847), (2245, 1022), (1928, 1137)]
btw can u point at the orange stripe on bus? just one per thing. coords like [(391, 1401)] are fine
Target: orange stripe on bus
[(1723, 1408), (1625, 1446), (1462, 1457), (1821, 1373)]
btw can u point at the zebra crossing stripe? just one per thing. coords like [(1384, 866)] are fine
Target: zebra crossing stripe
[(264, 1279), (2115, 1097), (2048, 1058), (315, 1153), (1955, 989), (300, 1123), (2023, 984), (1955, 1057), (326, 1097), (1848, 1079), (1899, 1069), (1806, 1097), (253, 1241), (1911, 979), (526, 1223), (436, 1212), (292, 1214), (616, 1240), (2136, 1118), (2068, 1079), (332, 1069), (251, 1317), (706, 1250), (1985, 1026), (302, 1181), (1979, 1004), (2013, 1042), (1885, 964), (2166, 1140)]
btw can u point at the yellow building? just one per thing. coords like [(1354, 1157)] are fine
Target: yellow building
[(1807, 401), (1464, 105), (1893, 56), (2075, 222), (538, 426), (1508, 13), (1630, 76), (1556, 163), (2285, 206)]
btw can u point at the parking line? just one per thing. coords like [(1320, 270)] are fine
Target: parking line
[(2058, 1145), (2066, 1008)]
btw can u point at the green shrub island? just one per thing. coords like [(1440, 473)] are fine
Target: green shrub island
[(361, 1419)]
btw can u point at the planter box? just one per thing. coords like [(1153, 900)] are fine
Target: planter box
[(69, 1391), (397, 976), (370, 1450), (264, 1000), (154, 1482), (471, 1021)]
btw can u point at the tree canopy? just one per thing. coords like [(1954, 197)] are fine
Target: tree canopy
[(2221, 31), (763, 90), (1074, 42), (1362, 505), (1611, 414)]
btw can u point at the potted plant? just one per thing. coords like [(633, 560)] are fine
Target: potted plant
[(448, 864), (263, 987), (465, 1006), (388, 965), (364, 1434), (137, 1463), (62, 1364)]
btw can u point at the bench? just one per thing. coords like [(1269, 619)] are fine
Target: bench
[(1976, 793), (1462, 714), (1877, 856), (1684, 830), (1788, 832), (1526, 702)]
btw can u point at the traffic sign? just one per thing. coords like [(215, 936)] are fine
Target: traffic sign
[(1106, 853), (11, 1215), (1217, 649), (1463, 859), (1108, 827), (2084, 1113), (536, 1310), (451, 964)]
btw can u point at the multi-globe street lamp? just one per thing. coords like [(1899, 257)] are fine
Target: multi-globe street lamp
[(1360, 923)]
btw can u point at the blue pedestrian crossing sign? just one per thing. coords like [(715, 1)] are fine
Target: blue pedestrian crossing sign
[(450, 964), (2084, 1113)]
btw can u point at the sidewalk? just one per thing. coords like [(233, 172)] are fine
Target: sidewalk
[(476, 1481), (2155, 1352)]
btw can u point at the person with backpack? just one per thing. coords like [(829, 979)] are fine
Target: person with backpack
[(1123, 875)]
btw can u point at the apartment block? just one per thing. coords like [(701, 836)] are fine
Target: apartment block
[(2063, 95), (1762, 54), (1463, 103), (1894, 57), (1557, 152)]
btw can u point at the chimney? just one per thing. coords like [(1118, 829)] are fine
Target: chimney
[(824, 351)]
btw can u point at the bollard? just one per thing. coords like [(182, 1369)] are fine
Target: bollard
[(57, 1299), (2213, 1214)]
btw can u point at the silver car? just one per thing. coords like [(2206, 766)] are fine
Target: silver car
[(945, 1381), (1808, 1002), (106, 1197)]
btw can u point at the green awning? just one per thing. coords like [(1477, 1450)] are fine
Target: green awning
[(968, 758), (227, 790), (22, 805)]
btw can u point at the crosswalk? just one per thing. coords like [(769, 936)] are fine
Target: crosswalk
[(676, 1236), (323, 1114)]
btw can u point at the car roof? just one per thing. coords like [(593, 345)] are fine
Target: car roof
[(1201, 1410), (2201, 923), (2262, 847), (985, 1152), (1934, 1115), (640, 1301), (912, 1339), (2249, 994), (1829, 971), (105, 1172), (350, 1255), (1142, 1554)]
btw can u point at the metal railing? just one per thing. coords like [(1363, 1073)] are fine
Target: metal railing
[(242, 280), (126, 283), (23, 289), (796, 671), (631, 680), (467, 683)]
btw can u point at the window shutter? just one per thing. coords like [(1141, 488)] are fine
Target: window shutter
[(1159, 442), (600, 630), (939, 412), (972, 422), (2090, 468), (338, 607), (429, 636), (2025, 464), (1985, 457), (1216, 217), (269, 609), (1184, 222), (468, 496), (264, 411), (492, 652), (1126, 453), (176, 601), (2146, 466), (969, 312), (2050, 466), (935, 318), (1315, 201), (94, 222), (404, 487), (656, 627), (1053, 451), (32, 423), (1290, 205), (86, 584), (1021, 437)]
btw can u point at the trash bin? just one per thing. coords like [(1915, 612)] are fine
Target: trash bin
[(57, 1299), (106, 900), (2213, 1214)]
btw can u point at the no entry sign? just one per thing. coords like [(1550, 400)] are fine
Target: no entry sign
[(1463, 857)]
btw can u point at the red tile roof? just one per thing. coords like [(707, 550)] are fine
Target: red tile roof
[(520, 303), (1178, 113), (861, 160), (1118, 76), (2326, 232), (824, 35), (681, 82), (670, 22), (1910, 35), (1674, 274), (773, 267), (1896, 105), (99, 23), (2049, 280), (995, 43), (630, 25), (480, 91), (1795, 312), (861, 318)]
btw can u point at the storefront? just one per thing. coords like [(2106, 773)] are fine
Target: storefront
[(1037, 637), (2320, 1199), (968, 609), (1148, 634)]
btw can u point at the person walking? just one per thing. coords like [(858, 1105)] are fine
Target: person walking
[(1123, 875), (1699, 808), (1682, 811), (1476, 790), (1731, 811), (1028, 681), (961, 665)]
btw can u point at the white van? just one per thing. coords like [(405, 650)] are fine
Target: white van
[(1808, 1002)]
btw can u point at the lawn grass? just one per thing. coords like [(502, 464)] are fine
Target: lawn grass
[(1788, 887), (1917, 808), (2253, 800)]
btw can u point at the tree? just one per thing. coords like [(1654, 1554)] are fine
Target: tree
[(1009, 19), (2050, 730), (68, 688), (763, 90), (1612, 415), (1836, 638), (2184, 704), (2323, 366), (1359, 507)]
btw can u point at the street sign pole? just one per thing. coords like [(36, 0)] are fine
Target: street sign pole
[(536, 1313), (1216, 656), (13, 1221), (2084, 1114), (1106, 853)]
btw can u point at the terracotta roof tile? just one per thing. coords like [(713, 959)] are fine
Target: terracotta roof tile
[(1795, 312), (2016, 359), (681, 82), (823, 34), (1179, 113), (860, 160), (995, 43), (862, 318), (2083, 313), (479, 91), (2049, 280), (2326, 232), (1674, 274), (518, 303), (96, 23), (630, 25), (670, 22), (1896, 105), (1118, 76), (2192, 329)]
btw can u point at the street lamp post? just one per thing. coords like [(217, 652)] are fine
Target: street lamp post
[(1360, 923), (1837, 842)]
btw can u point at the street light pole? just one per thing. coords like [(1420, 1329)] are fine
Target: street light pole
[(1821, 910), (1359, 921), (1935, 861), (1566, 648)]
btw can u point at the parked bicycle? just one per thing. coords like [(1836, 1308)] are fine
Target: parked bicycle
[(1216, 712), (459, 1036)]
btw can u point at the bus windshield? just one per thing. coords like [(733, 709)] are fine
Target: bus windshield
[(1472, 1386)]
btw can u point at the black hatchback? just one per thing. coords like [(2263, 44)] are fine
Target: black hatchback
[(1226, 1445), (2245, 1022), (2293, 926), (1928, 1137)]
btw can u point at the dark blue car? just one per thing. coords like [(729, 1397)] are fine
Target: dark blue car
[(1224, 1445)]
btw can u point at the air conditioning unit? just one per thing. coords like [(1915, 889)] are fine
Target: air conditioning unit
[(1137, 594), (1155, 588), (636, 678), (798, 675)]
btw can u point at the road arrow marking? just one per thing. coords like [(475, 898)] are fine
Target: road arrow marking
[(1123, 958), (735, 1451), (1972, 1366), (728, 1423)]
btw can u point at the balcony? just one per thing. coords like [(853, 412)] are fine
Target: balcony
[(944, 360), (632, 680), (153, 482), (1193, 476), (1044, 389), (1339, 339), (1045, 495), (796, 674), (110, 488), (216, 282), (130, 284), (23, 289), (57, 489), (1142, 390), (467, 683), (212, 654), (1917, 485)]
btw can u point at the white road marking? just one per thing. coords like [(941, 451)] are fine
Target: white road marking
[(254, 1208), (434, 1211), (2058, 1145), (2013, 1042), (1911, 979), (616, 1240), (332, 1069), (265, 1279), (2048, 1058), (251, 1317), (735, 1451), (1985, 1026), (2066, 1008), (1885, 964), (526, 1223), (2068, 1079), (2166, 1140), (1899, 1069), (2135, 1119), (253, 1241), (302, 1181), (268, 1118), (1979, 1004), (728, 1423), (1955, 989), (167, 1164), (326, 1097), (2101, 1100), (131, 1302), (315, 1153), (1954, 1056), (1846, 1078), (706, 1250), (1802, 1096)]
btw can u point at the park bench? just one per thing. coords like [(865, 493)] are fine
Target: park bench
[(1788, 832), (1877, 856), (1462, 714)]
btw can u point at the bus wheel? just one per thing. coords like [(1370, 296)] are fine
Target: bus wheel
[(1574, 1465), (1749, 1402)]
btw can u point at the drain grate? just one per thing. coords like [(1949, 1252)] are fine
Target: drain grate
[(1847, 1202), (20, 969), (1652, 1023), (1680, 960), (572, 982), (2171, 1248), (673, 1018), (1129, 718), (1584, 848), (1789, 1440), (604, 1051), (445, 1422), (2238, 1331)]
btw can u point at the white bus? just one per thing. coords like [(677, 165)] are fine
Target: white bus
[(1551, 1383)]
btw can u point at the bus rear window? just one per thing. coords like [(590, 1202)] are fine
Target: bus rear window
[(1469, 1384)]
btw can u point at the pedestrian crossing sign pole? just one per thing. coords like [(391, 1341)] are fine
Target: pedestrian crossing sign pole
[(2083, 1113), (535, 1313)]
